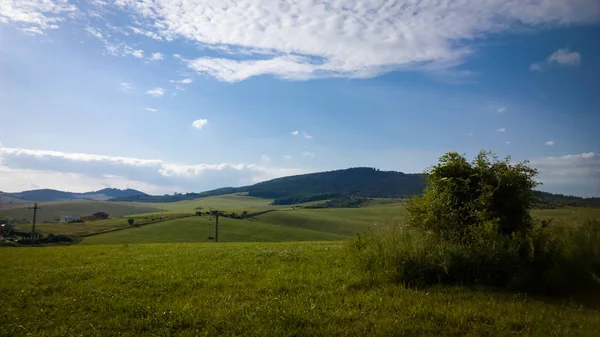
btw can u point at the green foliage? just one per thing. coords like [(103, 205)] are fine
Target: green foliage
[(130, 221), (461, 196), (472, 226), (541, 262)]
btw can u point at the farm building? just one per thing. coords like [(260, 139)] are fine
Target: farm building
[(70, 218), (101, 215)]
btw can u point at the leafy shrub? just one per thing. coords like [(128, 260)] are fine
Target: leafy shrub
[(461, 196), (472, 226)]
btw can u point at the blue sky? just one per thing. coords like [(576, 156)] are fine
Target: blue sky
[(169, 96)]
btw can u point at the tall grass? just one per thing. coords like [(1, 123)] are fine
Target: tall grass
[(541, 261)]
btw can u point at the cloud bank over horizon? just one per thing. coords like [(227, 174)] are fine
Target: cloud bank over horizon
[(23, 169)]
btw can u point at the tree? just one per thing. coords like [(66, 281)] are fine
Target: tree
[(461, 197), (130, 221)]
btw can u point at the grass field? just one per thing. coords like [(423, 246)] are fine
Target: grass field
[(164, 279), (293, 225), (278, 225), (256, 289), (231, 202)]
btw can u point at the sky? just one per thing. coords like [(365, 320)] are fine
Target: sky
[(171, 96)]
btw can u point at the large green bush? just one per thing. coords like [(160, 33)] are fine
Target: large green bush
[(472, 226), (462, 196)]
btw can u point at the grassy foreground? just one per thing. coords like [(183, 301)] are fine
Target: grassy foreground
[(278, 289)]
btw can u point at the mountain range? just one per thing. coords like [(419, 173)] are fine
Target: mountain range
[(352, 182), (54, 195)]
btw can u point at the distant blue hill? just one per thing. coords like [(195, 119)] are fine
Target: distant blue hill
[(54, 195)]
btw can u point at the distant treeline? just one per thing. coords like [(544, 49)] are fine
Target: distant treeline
[(361, 182), (293, 200), (551, 200)]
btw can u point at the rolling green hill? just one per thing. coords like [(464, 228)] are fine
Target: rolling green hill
[(50, 211), (363, 182), (54, 195)]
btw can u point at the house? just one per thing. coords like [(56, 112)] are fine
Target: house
[(70, 218), (6, 229), (101, 215)]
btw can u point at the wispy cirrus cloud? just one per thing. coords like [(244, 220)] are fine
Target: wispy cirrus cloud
[(300, 40), (151, 109), (501, 130), (561, 57), (549, 143), (125, 86), (156, 92), (36, 16)]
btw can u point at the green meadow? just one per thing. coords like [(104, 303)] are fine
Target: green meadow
[(284, 272)]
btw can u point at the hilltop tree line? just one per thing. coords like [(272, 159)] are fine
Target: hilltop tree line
[(358, 182)]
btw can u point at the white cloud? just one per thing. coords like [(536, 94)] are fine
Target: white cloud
[(470, 134), (536, 67), (565, 57), (156, 92), (303, 39), (80, 172), (144, 32), (570, 174), (125, 86), (95, 32), (157, 57), (306, 135), (294, 133), (121, 49), (287, 157), (199, 123), (549, 143), (507, 142), (308, 154), (36, 16), (151, 109), (182, 81), (265, 159), (501, 130), (562, 57), (501, 109)]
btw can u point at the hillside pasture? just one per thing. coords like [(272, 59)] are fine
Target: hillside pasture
[(52, 210), (287, 224), (231, 202)]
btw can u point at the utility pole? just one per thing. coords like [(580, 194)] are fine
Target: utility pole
[(216, 214), (35, 208)]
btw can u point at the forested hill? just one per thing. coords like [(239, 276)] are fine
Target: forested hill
[(353, 182), (365, 182), (359, 182)]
